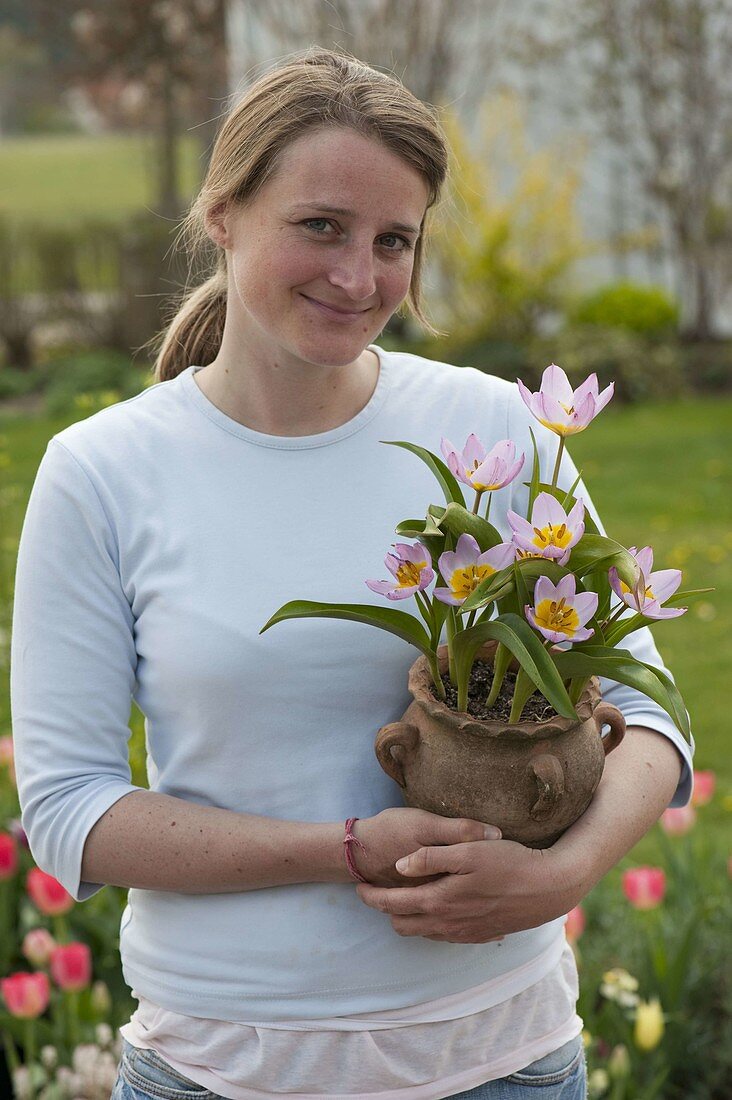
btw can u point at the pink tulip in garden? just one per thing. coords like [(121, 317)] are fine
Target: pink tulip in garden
[(37, 946), (8, 856), (703, 790), (26, 995), (71, 966), (575, 924), (678, 820), (47, 893), (644, 887)]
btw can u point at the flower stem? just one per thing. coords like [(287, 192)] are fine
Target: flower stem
[(30, 1054), (11, 1051), (425, 610), (488, 505), (450, 629), (560, 450), (72, 999), (436, 678), (476, 505)]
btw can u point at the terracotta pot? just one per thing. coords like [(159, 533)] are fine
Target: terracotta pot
[(532, 779)]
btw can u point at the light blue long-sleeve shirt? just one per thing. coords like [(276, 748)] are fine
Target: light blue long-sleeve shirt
[(159, 537)]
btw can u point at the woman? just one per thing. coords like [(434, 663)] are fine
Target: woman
[(161, 535)]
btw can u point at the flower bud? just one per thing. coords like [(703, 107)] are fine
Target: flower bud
[(8, 856), (103, 1035), (101, 1000), (598, 1083), (618, 1063), (47, 893), (644, 887), (37, 946), (49, 1056), (71, 966), (649, 1024)]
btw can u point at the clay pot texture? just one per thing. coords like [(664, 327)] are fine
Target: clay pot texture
[(532, 779)]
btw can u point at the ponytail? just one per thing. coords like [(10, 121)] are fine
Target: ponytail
[(194, 335)]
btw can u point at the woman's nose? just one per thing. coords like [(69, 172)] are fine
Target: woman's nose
[(354, 272)]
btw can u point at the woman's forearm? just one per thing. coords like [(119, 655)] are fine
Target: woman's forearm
[(637, 784), (154, 841)]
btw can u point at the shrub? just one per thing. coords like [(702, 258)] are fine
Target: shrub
[(641, 369), (73, 379), (647, 310)]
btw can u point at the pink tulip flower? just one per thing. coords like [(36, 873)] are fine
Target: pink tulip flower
[(37, 946), (678, 821), (703, 790), (47, 893), (644, 887), (26, 995), (550, 533), (560, 612), (652, 589), (71, 966), (564, 410), (8, 856), (575, 924), (483, 471), (465, 567), (412, 567)]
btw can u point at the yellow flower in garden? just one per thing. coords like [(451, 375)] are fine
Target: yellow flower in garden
[(649, 1024)]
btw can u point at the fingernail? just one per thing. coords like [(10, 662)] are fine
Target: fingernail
[(401, 863), (492, 832)]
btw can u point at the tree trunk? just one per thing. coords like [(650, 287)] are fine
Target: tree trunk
[(169, 197)]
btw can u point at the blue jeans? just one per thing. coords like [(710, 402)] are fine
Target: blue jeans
[(560, 1075)]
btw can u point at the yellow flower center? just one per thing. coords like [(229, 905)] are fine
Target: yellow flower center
[(551, 536), (408, 573), (648, 593), (553, 615), (465, 581)]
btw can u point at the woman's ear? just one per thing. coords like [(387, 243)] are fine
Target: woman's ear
[(215, 224)]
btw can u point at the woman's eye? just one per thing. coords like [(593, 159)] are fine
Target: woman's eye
[(402, 240), (311, 223), (317, 226)]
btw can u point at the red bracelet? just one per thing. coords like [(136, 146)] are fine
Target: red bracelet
[(347, 840)]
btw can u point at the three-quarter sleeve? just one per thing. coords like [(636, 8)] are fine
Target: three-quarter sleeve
[(72, 668), (636, 708)]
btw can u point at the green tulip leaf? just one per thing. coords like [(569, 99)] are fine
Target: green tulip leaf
[(386, 618), (448, 482), (518, 637), (622, 666), (459, 521)]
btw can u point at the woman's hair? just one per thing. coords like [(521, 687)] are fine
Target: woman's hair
[(312, 88)]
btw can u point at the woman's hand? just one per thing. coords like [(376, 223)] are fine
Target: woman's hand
[(400, 831), (483, 891)]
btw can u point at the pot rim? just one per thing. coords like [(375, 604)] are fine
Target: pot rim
[(420, 687)]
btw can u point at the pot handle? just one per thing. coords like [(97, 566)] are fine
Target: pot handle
[(549, 776), (606, 713), (393, 743)]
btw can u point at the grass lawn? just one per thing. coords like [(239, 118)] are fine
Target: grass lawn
[(659, 475), (63, 179)]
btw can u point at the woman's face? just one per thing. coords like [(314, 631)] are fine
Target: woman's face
[(308, 283)]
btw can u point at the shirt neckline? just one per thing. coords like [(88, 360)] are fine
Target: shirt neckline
[(291, 442)]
